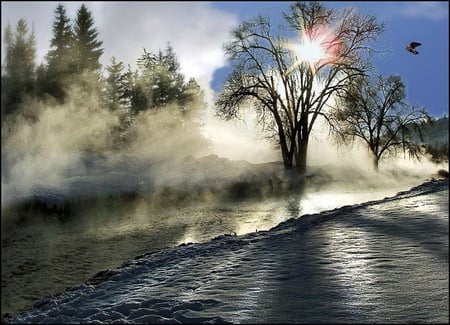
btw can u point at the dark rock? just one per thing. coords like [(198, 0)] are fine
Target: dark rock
[(443, 173)]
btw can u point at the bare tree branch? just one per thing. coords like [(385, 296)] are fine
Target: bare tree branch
[(287, 93)]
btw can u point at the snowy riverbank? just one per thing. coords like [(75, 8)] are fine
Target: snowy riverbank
[(380, 261)]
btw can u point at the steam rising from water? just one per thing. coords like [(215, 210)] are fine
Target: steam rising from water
[(49, 143), (62, 146), (323, 151), (45, 142)]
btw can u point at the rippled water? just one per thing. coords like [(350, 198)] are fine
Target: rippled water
[(47, 257)]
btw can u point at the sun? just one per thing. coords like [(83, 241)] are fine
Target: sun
[(309, 51), (317, 47)]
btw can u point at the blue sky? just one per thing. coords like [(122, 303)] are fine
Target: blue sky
[(426, 75), (197, 31)]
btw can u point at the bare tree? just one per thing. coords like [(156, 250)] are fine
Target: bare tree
[(289, 83), (374, 110)]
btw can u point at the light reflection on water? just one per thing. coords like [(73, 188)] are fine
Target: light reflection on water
[(354, 263), (46, 258)]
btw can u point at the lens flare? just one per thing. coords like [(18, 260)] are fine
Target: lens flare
[(309, 51), (318, 47)]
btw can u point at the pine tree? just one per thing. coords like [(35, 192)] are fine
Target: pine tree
[(18, 80), (115, 88), (60, 58), (190, 92), (134, 92), (118, 98), (87, 48), (162, 80)]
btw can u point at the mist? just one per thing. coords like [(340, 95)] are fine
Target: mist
[(350, 166), (54, 152), (59, 152), (50, 143), (43, 144)]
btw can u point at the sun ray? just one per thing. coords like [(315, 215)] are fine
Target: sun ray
[(317, 47)]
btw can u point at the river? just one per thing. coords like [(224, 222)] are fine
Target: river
[(383, 261), (47, 256)]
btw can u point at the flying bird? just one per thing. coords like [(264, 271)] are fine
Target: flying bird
[(412, 47)]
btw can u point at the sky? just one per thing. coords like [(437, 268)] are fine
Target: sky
[(198, 30)]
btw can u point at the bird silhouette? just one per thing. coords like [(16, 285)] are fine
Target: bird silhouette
[(412, 47)]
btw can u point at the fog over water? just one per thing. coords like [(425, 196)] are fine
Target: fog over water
[(56, 143)]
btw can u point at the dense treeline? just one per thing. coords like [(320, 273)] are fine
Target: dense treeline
[(73, 61)]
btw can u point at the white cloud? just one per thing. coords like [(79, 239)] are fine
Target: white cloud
[(195, 30), (425, 9)]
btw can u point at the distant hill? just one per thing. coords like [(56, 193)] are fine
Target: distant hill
[(436, 131), (435, 138)]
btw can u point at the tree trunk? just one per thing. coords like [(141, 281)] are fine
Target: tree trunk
[(286, 154), (302, 146), (301, 156), (287, 157), (375, 161)]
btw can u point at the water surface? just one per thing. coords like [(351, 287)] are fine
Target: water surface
[(48, 256)]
